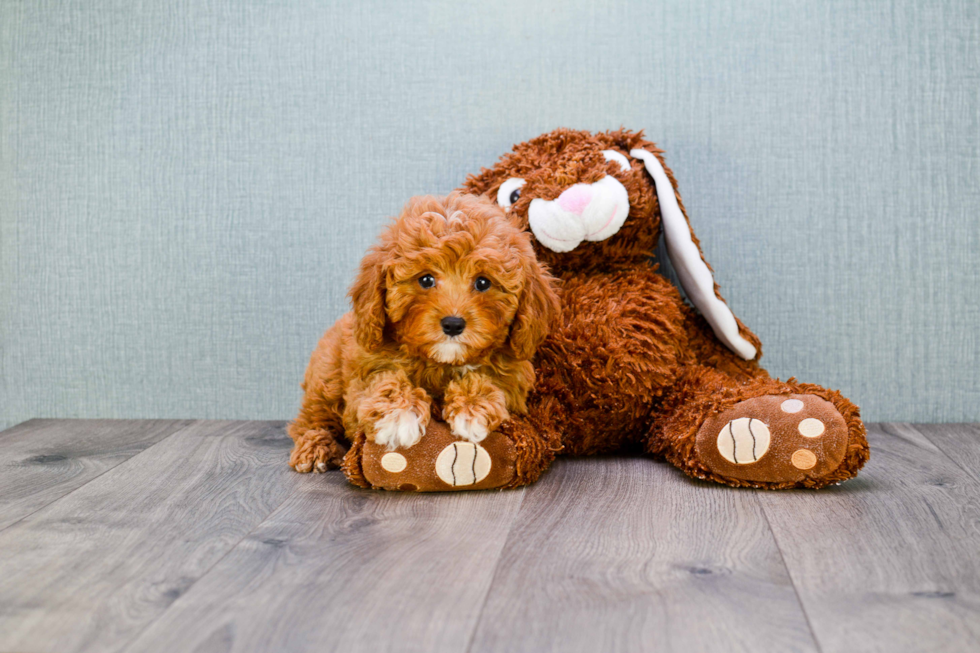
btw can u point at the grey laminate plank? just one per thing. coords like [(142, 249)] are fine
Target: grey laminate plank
[(961, 442), (627, 554), (90, 571), (44, 459), (889, 561), (342, 569)]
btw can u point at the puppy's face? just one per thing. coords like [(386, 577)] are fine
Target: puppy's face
[(454, 276), (453, 306)]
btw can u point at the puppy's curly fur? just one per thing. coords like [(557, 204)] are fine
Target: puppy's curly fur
[(391, 363)]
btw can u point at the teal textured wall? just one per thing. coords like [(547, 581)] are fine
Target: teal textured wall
[(186, 187)]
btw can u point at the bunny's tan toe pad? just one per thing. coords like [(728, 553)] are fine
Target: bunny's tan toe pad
[(774, 439), (440, 462)]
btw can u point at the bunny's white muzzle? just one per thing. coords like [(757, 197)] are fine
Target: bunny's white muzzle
[(583, 212)]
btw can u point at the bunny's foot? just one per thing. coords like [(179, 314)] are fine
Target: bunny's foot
[(759, 432), (515, 454), (774, 439), (439, 462)]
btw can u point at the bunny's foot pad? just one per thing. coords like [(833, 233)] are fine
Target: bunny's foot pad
[(774, 439), (440, 462)]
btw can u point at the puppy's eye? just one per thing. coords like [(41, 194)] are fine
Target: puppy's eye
[(482, 284), (427, 281), (510, 192)]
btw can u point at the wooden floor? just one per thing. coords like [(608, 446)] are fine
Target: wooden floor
[(195, 536)]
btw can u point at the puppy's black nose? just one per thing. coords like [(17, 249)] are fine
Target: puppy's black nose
[(452, 325)]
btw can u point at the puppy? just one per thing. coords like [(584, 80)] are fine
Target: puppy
[(448, 309)]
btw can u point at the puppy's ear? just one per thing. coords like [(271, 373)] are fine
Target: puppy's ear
[(367, 296), (688, 260), (537, 310)]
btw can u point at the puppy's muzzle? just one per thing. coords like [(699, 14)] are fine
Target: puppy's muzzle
[(452, 325)]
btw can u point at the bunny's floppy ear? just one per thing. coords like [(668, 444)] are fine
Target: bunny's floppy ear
[(688, 261), (368, 300), (537, 310)]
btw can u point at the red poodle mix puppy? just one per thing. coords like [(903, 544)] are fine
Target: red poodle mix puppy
[(449, 307)]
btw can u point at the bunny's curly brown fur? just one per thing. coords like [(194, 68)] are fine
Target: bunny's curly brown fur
[(631, 366)]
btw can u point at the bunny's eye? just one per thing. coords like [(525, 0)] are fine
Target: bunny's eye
[(510, 192), (613, 155), (427, 281)]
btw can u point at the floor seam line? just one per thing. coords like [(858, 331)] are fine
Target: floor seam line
[(211, 567), (789, 574), (97, 476), (503, 547), (942, 450)]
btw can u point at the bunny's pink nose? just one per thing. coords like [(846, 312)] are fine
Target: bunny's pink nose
[(575, 199)]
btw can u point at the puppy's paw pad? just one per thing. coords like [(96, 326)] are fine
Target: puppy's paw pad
[(463, 463), (399, 429), (469, 426)]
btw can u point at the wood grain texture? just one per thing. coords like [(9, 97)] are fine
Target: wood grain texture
[(889, 561), (206, 541), (93, 569), (961, 442), (337, 568), (43, 460), (625, 554)]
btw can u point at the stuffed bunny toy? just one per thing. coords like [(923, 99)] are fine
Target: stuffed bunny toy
[(630, 366)]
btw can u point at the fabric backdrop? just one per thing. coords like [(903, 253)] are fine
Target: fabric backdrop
[(186, 187)]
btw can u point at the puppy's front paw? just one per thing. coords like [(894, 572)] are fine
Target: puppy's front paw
[(316, 451), (470, 424), (400, 428), (474, 407), (389, 410)]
